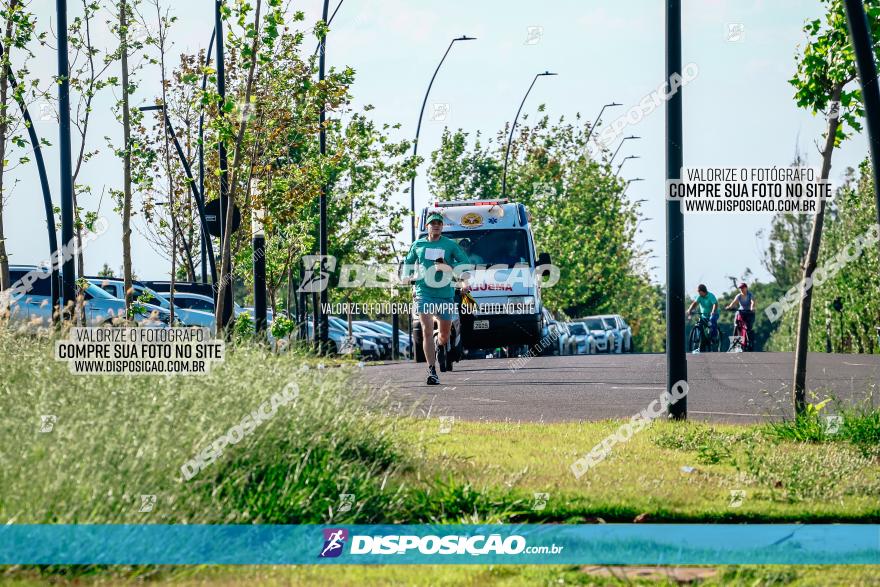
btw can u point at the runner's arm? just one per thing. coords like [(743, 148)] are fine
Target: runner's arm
[(407, 271), (459, 257)]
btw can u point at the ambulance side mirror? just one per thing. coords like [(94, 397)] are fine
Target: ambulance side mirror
[(544, 259)]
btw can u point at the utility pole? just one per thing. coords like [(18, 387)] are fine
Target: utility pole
[(676, 359), (322, 327), (860, 33), (68, 276), (224, 171), (259, 247)]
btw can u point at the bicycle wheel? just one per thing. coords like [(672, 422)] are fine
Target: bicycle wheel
[(696, 339)]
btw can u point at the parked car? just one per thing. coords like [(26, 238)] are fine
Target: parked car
[(383, 341), (584, 341), (201, 302), (567, 343), (601, 334), (116, 288), (404, 346), (99, 307), (367, 348), (621, 332), (550, 334)]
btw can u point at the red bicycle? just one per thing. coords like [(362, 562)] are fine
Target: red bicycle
[(742, 335)]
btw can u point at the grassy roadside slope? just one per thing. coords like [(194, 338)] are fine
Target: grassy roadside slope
[(669, 472)]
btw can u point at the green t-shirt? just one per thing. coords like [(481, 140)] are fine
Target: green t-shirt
[(706, 302), (423, 254)]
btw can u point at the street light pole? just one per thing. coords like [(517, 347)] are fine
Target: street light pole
[(625, 159), (197, 194), (54, 286), (513, 127), (630, 137), (676, 360), (860, 33), (224, 180), (322, 323), (598, 118), (68, 277), (259, 248), (207, 245), (412, 185)]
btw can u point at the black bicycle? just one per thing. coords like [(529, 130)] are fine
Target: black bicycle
[(701, 339)]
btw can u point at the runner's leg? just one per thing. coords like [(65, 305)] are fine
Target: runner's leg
[(444, 330), (427, 321)]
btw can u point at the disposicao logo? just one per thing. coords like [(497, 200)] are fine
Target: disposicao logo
[(334, 542)]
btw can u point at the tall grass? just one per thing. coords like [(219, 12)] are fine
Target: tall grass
[(858, 425), (117, 438)]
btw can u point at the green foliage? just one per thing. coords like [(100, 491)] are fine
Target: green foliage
[(856, 284), (106, 271), (282, 326), (244, 327)]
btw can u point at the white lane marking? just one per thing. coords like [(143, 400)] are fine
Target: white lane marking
[(633, 387), (730, 414), (484, 399), (855, 365)]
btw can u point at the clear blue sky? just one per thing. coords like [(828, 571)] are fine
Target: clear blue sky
[(739, 111)]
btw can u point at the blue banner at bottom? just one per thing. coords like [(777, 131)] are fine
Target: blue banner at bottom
[(611, 544)]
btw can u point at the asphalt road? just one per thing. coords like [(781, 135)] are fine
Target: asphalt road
[(741, 387)]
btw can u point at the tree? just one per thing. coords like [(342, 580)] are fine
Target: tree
[(18, 30), (127, 152), (848, 294), (825, 69), (788, 242), (87, 78)]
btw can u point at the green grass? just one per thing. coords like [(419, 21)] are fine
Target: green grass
[(472, 575), (673, 472)]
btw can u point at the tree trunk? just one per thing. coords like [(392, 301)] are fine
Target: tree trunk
[(226, 244), (4, 129), (175, 226), (803, 324), (126, 164)]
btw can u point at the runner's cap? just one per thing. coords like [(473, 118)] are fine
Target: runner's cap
[(434, 216)]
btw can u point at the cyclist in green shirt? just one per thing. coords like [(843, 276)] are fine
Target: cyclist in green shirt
[(708, 308), (429, 265)]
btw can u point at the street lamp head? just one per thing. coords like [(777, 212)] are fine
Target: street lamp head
[(631, 137), (465, 38), (613, 104), (547, 73)]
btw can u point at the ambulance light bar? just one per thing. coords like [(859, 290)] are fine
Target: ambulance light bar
[(439, 204)]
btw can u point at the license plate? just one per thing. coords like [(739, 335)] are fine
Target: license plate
[(481, 325)]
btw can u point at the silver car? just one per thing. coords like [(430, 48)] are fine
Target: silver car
[(116, 288), (601, 335), (585, 344), (99, 307)]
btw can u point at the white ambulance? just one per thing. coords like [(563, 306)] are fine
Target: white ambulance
[(498, 239)]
